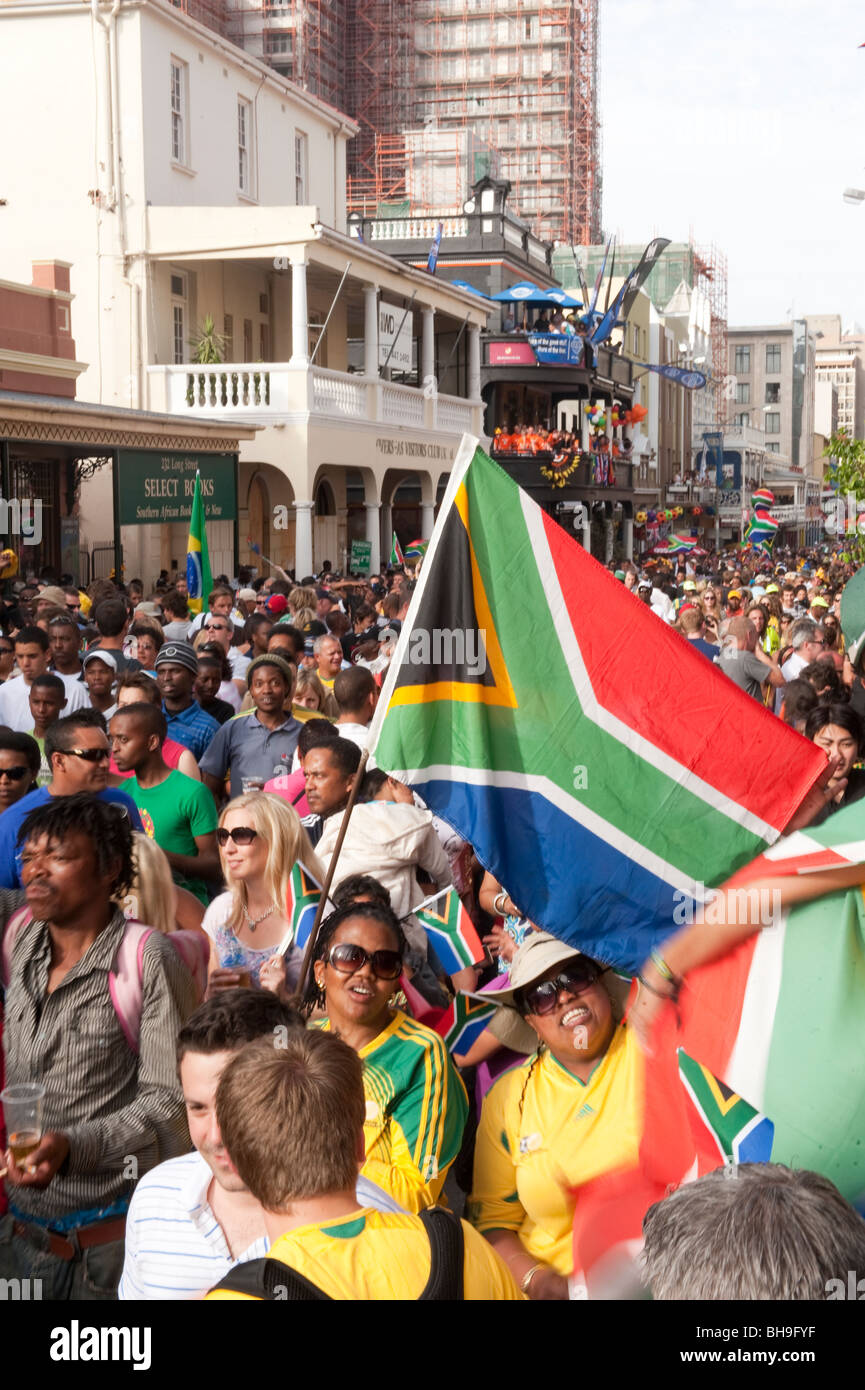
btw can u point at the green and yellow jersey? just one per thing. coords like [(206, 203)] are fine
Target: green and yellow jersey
[(416, 1108), (533, 1149), (382, 1256)]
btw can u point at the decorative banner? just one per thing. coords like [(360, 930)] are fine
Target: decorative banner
[(199, 580), (762, 527), (434, 249), (558, 349), (629, 291), (684, 376), (516, 354)]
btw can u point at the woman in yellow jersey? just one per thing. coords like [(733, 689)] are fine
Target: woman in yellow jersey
[(416, 1104), (563, 1116)]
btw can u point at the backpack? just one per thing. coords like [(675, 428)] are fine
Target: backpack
[(271, 1280), (125, 979)]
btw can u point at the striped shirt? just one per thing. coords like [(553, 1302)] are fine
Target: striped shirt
[(122, 1114), (175, 1247)]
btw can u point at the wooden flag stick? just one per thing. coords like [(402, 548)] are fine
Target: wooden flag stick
[(309, 954)]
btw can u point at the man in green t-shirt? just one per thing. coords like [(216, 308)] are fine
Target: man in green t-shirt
[(177, 812)]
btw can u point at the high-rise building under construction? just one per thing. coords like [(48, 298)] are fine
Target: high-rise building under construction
[(444, 91)]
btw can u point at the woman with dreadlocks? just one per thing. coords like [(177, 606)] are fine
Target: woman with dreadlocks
[(416, 1104), (560, 1117)]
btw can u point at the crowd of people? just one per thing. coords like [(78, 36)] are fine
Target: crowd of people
[(225, 1118)]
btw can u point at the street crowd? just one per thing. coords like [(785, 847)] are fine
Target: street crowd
[(222, 1118)]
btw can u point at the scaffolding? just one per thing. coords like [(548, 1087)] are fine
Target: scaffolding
[(710, 275), (516, 76)]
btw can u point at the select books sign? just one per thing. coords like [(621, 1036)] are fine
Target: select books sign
[(156, 488)]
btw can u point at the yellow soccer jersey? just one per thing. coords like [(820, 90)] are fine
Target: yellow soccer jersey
[(416, 1108), (382, 1256), (568, 1132)]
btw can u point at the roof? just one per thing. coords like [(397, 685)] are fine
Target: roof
[(167, 431)]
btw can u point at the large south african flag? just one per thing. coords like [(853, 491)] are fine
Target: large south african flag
[(602, 769)]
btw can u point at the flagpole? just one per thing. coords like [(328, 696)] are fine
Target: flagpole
[(309, 953)]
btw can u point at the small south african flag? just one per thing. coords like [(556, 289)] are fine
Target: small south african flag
[(415, 550), (450, 930), (463, 1022), (396, 556), (304, 893)]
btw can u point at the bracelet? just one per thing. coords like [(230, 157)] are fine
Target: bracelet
[(659, 993), (499, 902), (527, 1278), (662, 967)]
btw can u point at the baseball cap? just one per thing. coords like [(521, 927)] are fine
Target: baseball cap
[(734, 593), (277, 603), (97, 654), (689, 586), (178, 654), (819, 603), (248, 595)]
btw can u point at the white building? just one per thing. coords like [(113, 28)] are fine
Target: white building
[(184, 179)]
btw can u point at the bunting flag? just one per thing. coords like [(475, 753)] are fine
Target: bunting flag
[(674, 545), (683, 376), (303, 897), (396, 556), (781, 1018), (415, 550), (630, 289), (199, 580), (602, 783), (689, 1123), (451, 931), (432, 258)]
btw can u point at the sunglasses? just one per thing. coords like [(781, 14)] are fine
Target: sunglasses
[(14, 773), (90, 755), (542, 999), (346, 958), (215, 627), (241, 835)]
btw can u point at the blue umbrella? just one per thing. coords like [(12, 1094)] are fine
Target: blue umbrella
[(464, 285), (526, 292)]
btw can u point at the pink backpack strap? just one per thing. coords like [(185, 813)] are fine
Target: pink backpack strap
[(124, 981), (193, 947), (19, 918)]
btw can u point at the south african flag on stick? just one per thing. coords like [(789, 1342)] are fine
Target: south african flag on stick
[(396, 556)]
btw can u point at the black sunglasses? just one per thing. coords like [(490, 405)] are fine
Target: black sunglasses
[(90, 755), (241, 835), (347, 958), (542, 999), (14, 773)]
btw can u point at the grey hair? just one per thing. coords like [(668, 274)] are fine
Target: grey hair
[(320, 641), (803, 630), (752, 1231)]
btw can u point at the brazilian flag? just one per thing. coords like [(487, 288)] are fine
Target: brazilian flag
[(199, 579)]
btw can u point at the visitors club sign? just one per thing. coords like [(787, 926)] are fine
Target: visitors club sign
[(155, 488)]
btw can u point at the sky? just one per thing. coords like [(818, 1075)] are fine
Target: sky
[(742, 122)]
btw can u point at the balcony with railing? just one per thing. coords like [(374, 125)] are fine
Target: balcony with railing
[(270, 393)]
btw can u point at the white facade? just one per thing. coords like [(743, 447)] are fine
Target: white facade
[(182, 178)]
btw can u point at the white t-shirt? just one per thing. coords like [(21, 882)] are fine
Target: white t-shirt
[(15, 702), (357, 733)]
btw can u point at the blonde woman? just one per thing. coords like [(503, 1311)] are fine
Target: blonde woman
[(301, 600), (153, 895), (260, 841), (312, 696)]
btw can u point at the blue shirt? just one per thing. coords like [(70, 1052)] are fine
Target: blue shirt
[(250, 749), (12, 819), (191, 727)]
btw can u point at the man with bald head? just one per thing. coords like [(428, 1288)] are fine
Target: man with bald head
[(744, 661)]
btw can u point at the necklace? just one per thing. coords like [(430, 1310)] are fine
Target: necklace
[(252, 922)]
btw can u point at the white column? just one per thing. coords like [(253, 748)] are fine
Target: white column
[(299, 322), (303, 539), (370, 330), (386, 528), (427, 520), (427, 349), (628, 537), (373, 535), (474, 362)]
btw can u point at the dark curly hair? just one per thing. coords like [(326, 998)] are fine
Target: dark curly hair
[(369, 912), (106, 823)]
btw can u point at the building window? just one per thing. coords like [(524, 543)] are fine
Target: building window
[(177, 287), (774, 448), (773, 422), (743, 393), (773, 357), (264, 342), (773, 393), (228, 335), (247, 340), (300, 166), (636, 340), (244, 145), (743, 419), (742, 360), (178, 111)]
